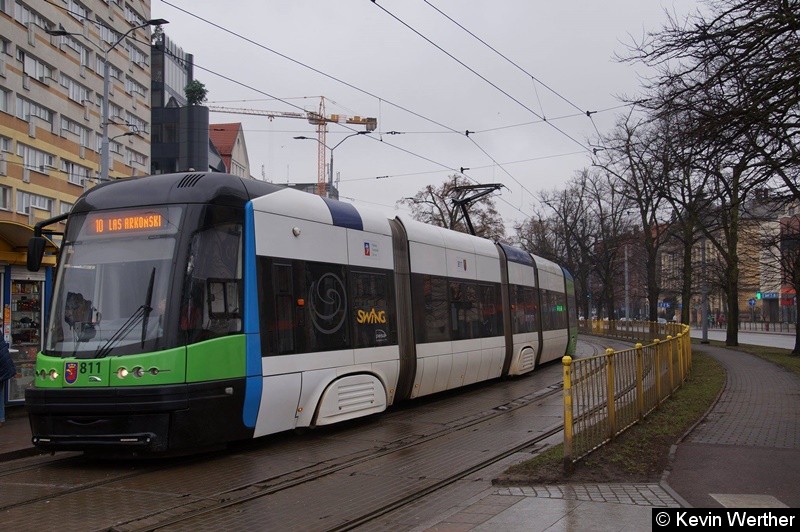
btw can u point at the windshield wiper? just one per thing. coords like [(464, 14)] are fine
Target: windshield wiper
[(147, 308), (140, 313)]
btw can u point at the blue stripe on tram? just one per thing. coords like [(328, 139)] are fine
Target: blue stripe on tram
[(344, 214), (253, 387)]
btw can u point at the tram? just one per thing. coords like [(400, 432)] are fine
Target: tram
[(194, 309)]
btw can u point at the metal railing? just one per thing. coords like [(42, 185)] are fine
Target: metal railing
[(606, 394)]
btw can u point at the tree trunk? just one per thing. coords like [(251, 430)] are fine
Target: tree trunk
[(732, 327), (796, 351), (686, 282)]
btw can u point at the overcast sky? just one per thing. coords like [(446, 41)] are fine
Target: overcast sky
[(420, 68)]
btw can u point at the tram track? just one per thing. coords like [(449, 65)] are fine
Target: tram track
[(267, 487), (409, 499), (258, 490), (261, 488), (64, 463), (188, 507)]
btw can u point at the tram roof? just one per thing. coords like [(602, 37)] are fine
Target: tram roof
[(188, 187)]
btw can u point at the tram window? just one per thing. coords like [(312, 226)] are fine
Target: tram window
[(430, 303), (281, 310), (224, 299), (524, 309), (374, 318), (475, 310), (214, 256), (492, 313), (554, 310), (283, 329), (325, 324), (561, 310), (465, 311), (547, 315)]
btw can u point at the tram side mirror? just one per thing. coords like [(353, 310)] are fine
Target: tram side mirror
[(36, 247)]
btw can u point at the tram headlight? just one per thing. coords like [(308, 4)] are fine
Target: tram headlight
[(53, 374), (122, 373), (138, 371)]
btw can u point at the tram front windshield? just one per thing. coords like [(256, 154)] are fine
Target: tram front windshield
[(113, 283)]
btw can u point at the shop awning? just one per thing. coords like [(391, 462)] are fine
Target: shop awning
[(14, 245)]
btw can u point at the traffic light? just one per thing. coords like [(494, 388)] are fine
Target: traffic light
[(758, 295)]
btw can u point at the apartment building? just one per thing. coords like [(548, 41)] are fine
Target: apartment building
[(57, 60)]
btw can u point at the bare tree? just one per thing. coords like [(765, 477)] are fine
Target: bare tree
[(789, 243), (568, 221), (640, 160), (434, 205), (733, 72), (607, 210)]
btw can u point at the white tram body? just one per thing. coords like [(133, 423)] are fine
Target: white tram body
[(525, 344), (323, 387), (551, 281), (443, 253)]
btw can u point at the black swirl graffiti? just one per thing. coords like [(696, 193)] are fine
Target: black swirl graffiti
[(327, 302)]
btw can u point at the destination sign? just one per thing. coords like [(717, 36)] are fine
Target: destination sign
[(144, 221)]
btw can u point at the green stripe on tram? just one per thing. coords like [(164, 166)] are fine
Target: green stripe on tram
[(219, 358)]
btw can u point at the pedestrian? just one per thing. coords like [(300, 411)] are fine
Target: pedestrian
[(7, 371)]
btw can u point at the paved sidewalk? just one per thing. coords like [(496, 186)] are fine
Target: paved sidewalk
[(748, 447), (744, 454)]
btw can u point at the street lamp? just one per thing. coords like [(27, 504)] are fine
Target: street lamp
[(330, 167), (104, 145)]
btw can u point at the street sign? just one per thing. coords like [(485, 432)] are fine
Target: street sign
[(751, 302)]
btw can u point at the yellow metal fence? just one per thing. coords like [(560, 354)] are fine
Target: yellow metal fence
[(606, 394)]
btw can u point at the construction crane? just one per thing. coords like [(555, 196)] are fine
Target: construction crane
[(319, 119)]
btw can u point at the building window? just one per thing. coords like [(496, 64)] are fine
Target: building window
[(5, 96), (77, 92), (137, 56), (24, 15), (114, 147), (65, 208), (136, 158), (5, 198), (237, 169), (77, 10), (134, 18), (26, 200), (132, 86), (35, 160), (83, 51), (27, 109), (34, 67), (5, 144), (136, 124), (115, 111), (76, 174), (113, 71), (83, 133), (108, 35)]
